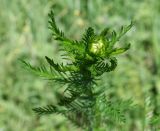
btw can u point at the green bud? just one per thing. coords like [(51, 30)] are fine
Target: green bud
[(97, 48)]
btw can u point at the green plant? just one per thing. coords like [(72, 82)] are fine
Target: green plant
[(82, 101)]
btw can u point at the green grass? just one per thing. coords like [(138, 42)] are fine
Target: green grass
[(24, 34)]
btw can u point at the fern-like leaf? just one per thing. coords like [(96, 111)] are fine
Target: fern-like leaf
[(104, 32), (117, 51), (50, 74), (89, 36), (103, 66), (50, 109), (40, 71), (57, 33), (60, 67), (115, 37)]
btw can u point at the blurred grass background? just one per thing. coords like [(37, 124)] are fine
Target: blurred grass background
[(24, 34)]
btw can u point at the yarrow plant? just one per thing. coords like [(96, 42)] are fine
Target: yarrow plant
[(83, 102)]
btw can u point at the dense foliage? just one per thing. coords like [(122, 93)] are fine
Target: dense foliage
[(81, 101), (24, 34)]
